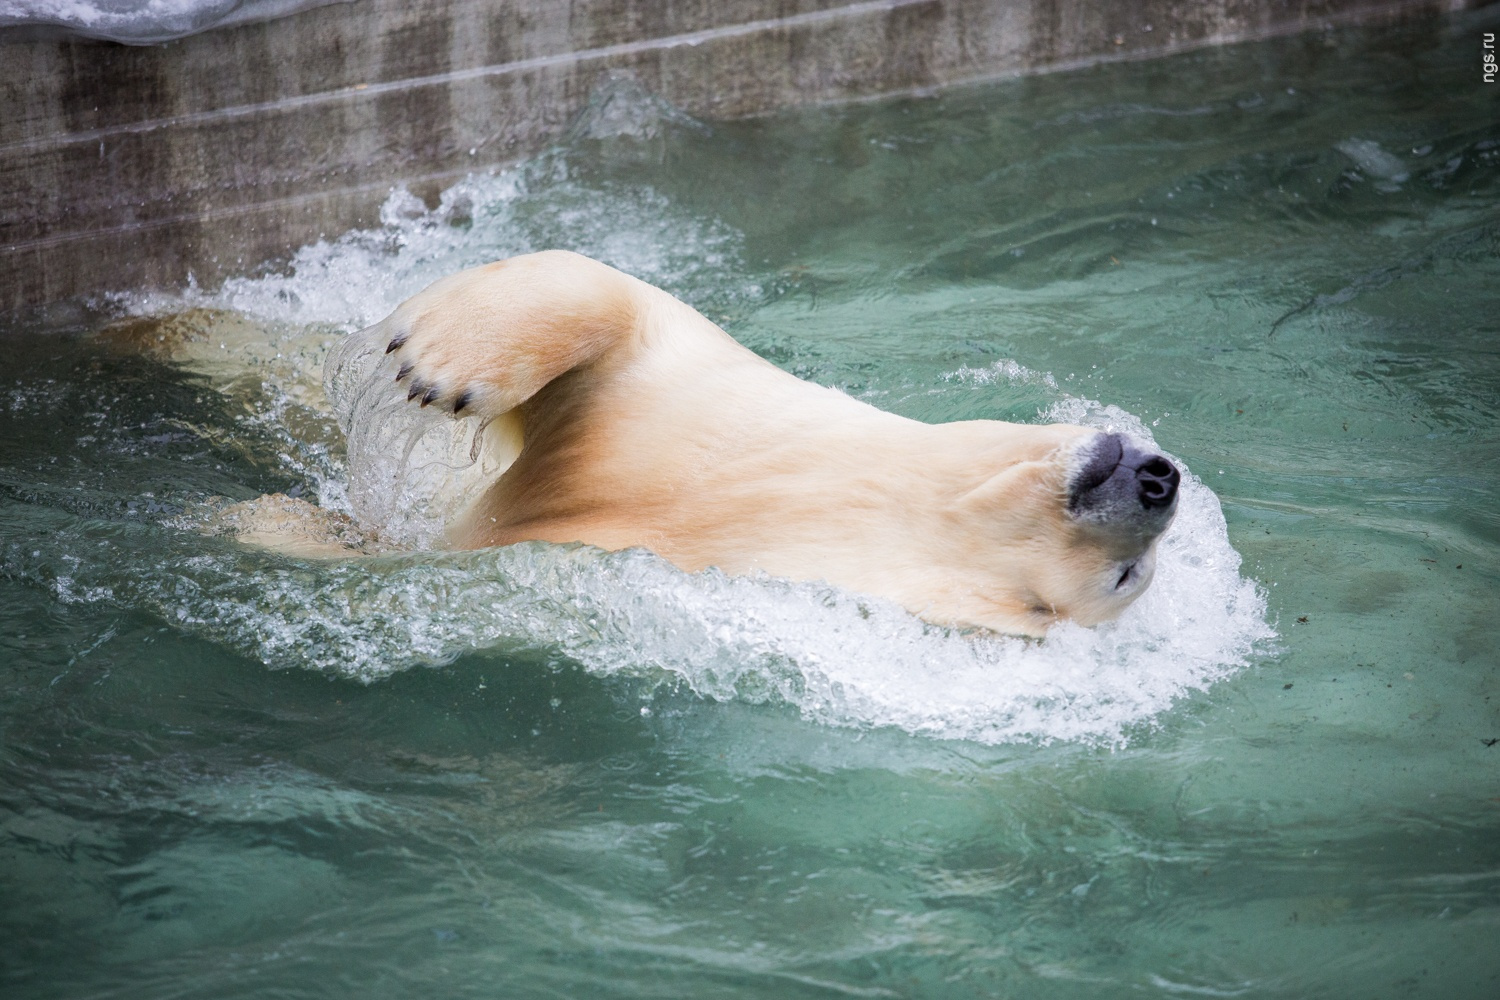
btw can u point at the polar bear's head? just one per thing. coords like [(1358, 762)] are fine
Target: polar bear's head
[(1067, 530)]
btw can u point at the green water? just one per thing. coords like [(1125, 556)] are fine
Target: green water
[(547, 772)]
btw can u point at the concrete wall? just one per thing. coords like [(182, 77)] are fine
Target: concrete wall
[(129, 167)]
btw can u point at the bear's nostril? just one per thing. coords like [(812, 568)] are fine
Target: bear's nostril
[(1158, 480), (1159, 467)]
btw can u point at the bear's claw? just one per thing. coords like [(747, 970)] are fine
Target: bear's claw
[(421, 389)]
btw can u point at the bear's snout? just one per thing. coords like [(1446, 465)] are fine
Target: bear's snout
[(1119, 482)]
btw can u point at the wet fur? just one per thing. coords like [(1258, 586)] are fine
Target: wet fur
[(644, 424)]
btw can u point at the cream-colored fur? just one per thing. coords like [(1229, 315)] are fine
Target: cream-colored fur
[(644, 424)]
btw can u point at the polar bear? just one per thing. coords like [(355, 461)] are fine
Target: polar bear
[(641, 423)]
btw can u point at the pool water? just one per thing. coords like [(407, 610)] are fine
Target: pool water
[(549, 771)]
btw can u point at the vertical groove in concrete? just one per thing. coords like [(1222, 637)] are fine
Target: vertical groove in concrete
[(128, 167)]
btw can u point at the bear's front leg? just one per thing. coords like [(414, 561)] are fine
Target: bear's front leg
[(484, 341)]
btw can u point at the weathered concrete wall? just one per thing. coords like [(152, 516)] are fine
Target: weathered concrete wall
[(130, 167)]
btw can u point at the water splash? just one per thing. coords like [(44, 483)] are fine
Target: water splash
[(411, 471), (361, 277), (839, 658)]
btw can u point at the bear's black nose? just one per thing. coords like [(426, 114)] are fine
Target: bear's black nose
[(1118, 477)]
